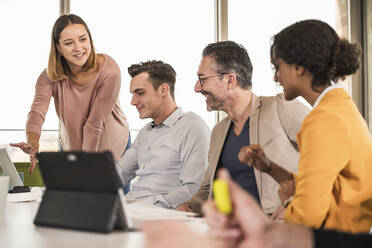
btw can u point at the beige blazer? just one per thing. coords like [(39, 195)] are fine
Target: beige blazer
[(274, 123)]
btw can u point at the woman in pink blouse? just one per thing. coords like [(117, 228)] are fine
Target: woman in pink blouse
[(85, 87)]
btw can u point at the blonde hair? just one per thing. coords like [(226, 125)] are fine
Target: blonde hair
[(58, 68)]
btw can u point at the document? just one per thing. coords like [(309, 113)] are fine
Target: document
[(34, 195)]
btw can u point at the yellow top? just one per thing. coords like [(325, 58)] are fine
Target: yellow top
[(334, 184)]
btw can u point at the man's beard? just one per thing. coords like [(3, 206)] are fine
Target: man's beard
[(211, 99)]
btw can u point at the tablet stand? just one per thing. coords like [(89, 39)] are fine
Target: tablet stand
[(78, 204)]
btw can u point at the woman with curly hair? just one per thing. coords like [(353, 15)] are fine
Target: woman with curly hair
[(333, 188)]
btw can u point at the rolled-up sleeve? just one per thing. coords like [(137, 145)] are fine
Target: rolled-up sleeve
[(40, 104)]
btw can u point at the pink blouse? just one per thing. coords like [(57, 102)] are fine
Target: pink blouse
[(90, 115)]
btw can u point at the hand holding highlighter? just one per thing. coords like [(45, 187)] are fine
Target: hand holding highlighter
[(222, 196)]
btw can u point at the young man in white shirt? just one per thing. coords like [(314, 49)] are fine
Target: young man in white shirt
[(170, 154)]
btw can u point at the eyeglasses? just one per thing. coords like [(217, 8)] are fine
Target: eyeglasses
[(202, 79)]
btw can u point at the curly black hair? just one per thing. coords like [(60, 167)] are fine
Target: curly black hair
[(158, 71), (316, 46), (231, 57)]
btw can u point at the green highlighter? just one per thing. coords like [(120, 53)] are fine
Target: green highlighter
[(222, 196)]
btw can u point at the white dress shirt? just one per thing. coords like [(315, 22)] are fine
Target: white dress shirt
[(169, 160)]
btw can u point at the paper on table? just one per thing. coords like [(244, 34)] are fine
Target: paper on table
[(151, 212), (139, 212), (34, 195)]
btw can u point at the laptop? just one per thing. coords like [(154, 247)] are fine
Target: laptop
[(9, 169), (83, 191)]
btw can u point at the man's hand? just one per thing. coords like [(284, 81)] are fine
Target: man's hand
[(253, 155), (184, 207)]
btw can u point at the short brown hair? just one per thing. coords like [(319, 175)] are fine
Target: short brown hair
[(158, 71), (58, 68)]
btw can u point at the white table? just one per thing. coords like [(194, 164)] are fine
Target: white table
[(18, 230)]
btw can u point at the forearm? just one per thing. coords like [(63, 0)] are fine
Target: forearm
[(201, 195), (91, 136), (33, 139), (176, 197), (278, 173), (35, 121), (39, 108), (103, 105), (196, 201)]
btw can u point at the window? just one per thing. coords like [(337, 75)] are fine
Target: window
[(254, 24), (135, 31), (25, 46)]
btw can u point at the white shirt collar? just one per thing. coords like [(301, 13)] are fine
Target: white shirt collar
[(171, 119), (329, 88)]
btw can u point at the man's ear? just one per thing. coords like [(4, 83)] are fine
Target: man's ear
[(164, 89), (232, 81)]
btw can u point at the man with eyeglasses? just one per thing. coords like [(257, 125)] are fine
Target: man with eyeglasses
[(224, 78)]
